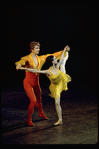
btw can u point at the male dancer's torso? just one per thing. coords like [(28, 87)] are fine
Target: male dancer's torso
[(29, 62)]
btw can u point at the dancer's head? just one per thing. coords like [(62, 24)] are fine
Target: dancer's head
[(50, 60), (34, 47)]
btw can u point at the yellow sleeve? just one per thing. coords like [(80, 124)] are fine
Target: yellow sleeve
[(43, 57), (58, 54), (22, 61)]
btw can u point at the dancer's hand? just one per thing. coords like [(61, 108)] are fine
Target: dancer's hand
[(18, 67), (67, 48)]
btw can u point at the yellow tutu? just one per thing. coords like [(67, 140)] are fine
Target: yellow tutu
[(58, 83)]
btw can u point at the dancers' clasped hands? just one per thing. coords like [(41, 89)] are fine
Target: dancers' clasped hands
[(67, 48)]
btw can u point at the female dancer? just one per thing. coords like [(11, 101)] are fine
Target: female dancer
[(58, 80)]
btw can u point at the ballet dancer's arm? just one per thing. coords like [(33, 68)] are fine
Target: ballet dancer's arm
[(36, 71), (21, 62), (66, 49)]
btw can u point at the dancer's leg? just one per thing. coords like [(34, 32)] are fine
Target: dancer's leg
[(30, 93), (37, 91), (59, 111)]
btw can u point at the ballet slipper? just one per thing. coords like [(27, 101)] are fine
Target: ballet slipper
[(59, 122), (43, 115), (30, 123)]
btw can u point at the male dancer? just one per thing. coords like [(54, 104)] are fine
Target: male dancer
[(31, 81)]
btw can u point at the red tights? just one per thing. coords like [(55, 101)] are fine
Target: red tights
[(32, 88)]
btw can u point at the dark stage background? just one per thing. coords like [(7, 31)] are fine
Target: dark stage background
[(54, 25)]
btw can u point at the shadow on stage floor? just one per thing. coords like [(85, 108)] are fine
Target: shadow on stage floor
[(17, 126), (80, 119)]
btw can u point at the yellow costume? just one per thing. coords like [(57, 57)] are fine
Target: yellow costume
[(58, 83)]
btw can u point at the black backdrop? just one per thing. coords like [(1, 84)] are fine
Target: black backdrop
[(54, 25)]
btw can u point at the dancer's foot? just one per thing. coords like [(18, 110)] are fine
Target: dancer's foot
[(59, 122), (43, 115), (29, 123)]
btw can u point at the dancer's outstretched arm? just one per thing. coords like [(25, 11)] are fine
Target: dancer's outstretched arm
[(62, 56), (36, 71)]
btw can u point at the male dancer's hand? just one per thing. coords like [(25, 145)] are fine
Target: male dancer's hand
[(18, 67)]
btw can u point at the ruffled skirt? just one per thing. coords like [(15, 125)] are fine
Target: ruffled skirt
[(62, 85)]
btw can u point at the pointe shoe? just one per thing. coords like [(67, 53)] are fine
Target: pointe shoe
[(29, 123), (59, 122), (43, 115)]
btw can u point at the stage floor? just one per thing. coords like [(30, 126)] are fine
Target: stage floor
[(80, 119)]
